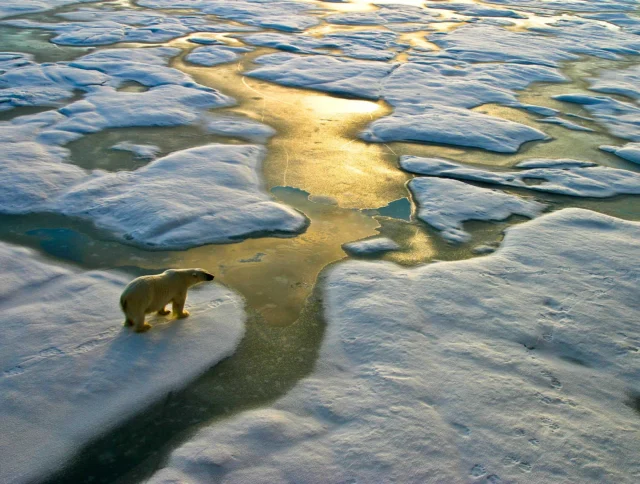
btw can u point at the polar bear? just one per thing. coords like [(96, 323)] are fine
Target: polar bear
[(148, 294)]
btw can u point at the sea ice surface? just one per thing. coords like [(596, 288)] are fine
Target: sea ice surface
[(513, 366), (630, 151), (565, 177), (70, 370), (445, 204), (376, 245)]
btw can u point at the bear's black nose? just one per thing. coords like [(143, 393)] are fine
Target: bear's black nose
[(209, 277)]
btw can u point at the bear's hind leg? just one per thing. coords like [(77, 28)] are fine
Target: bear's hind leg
[(140, 325), (163, 312), (128, 322), (178, 306)]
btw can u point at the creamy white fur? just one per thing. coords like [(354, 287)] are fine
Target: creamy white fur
[(149, 294)]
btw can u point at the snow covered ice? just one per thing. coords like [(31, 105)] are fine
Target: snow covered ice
[(69, 368), (512, 367)]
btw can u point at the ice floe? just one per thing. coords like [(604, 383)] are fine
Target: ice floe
[(286, 15), (374, 246), (324, 73), (71, 371), (565, 177), (138, 150), (448, 125), (8, 9), (569, 5), (91, 27), (622, 119), (208, 194), (213, 55), (547, 46), (625, 82), (518, 365), (446, 204), (368, 45), (386, 15), (630, 151)]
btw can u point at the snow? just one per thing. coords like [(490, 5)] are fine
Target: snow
[(622, 119), (564, 123), (288, 16), (368, 45), (92, 27), (448, 125), (373, 246), (446, 204), (565, 177), (386, 15), (235, 126), (208, 194), (71, 371), (548, 46), (324, 73), (629, 152), (472, 10), (8, 9), (214, 55), (138, 150), (625, 82), (569, 5), (513, 367)]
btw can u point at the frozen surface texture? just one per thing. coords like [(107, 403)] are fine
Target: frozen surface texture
[(518, 366), (446, 204), (368, 45), (373, 246), (565, 177), (455, 126), (202, 195), (287, 15), (630, 151), (621, 118), (70, 370), (212, 55), (564, 40), (324, 73)]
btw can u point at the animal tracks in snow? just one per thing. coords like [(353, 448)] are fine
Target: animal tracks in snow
[(54, 352)]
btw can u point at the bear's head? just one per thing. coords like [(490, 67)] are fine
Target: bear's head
[(200, 275)]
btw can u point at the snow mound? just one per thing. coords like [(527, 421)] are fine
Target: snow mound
[(212, 55), (549, 46), (207, 194), (286, 15), (622, 119), (145, 152), (449, 125), (368, 45), (446, 204), (373, 246), (512, 367), (324, 73), (70, 371), (630, 151), (565, 177), (625, 82)]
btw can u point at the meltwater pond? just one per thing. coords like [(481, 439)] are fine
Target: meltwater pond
[(317, 164)]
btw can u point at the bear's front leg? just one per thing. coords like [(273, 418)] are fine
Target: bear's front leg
[(163, 312), (178, 306)]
